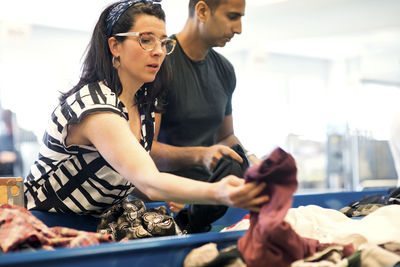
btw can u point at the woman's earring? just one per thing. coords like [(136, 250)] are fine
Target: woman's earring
[(115, 62)]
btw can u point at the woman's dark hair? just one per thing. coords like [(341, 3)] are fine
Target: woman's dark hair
[(97, 65)]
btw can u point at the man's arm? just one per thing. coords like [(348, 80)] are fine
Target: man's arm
[(226, 136), (169, 158)]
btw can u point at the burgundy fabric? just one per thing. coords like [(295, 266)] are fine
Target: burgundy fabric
[(19, 230), (270, 241)]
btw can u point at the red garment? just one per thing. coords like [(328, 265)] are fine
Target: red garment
[(20, 229), (270, 241)]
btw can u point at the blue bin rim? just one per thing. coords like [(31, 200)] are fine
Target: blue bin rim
[(131, 246)]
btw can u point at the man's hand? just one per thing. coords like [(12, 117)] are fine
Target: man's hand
[(211, 155)]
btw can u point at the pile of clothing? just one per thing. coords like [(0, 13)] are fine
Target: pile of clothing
[(131, 220), (21, 230), (280, 236), (370, 203)]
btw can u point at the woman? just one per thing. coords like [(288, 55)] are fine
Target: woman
[(96, 147)]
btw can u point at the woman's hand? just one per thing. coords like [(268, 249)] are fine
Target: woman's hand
[(233, 191)]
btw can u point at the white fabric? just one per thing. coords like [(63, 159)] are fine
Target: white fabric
[(243, 224), (375, 256), (332, 226)]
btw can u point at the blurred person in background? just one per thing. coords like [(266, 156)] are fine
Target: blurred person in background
[(8, 154), (394, 142)]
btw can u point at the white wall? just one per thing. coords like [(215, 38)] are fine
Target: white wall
[(304, 67)]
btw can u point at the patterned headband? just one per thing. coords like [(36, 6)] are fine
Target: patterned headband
[(119, 9)]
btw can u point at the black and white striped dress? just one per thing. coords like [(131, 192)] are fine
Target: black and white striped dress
[(77, 179)]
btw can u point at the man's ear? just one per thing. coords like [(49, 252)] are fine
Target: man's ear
[(202, 11), (114, 46)]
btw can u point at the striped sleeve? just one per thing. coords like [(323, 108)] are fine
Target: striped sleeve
[(90, 99), (93, 98)]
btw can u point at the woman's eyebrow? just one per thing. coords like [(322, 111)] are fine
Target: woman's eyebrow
[(162, 36)]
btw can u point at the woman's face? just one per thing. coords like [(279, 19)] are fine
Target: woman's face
[(138, 65)]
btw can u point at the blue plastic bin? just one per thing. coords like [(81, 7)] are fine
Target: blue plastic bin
[(157, 251), (333, 200)]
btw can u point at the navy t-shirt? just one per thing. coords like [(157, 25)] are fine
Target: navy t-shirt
[(198, 99)]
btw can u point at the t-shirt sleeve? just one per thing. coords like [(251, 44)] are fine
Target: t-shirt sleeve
[(90, 99), (231, 85)]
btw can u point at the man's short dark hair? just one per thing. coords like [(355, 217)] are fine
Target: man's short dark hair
[(212, 4)]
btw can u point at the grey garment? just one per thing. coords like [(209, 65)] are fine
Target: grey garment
[(209, 256), (361, 210), (227, 257), (201, 255), (329, 257), (198, 99), (391, 246), (373, 256)]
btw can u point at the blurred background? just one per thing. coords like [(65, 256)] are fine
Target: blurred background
[(319, 78)]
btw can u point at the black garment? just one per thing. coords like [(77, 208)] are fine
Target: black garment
[(394, 196), (198, 218), (198, 99), (391, 197), (199, 173)]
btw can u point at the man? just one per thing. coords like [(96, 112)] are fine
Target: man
[(197, 127)]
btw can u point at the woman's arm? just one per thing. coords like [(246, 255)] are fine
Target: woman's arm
[(111, 135)]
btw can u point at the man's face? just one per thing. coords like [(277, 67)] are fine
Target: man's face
[(224, 22)]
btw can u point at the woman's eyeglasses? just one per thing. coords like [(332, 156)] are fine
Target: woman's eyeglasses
[(148, 41)]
